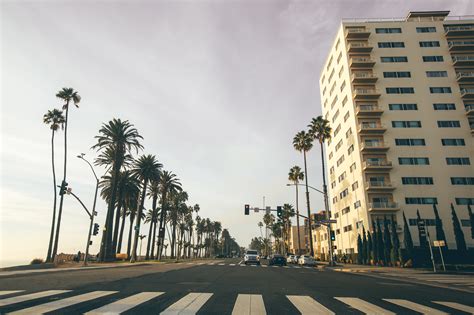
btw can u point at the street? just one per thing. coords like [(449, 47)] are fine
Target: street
[(224, 287)]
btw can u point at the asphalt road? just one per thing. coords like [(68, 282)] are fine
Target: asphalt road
[(223, 287)]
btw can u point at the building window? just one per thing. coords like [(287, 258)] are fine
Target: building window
[(466, 223), (344, 194), (339, 57), (391, 44), (388, 30), (462, 180), (355, 186), (340, 72), (340, 160), (353, 167), (442, 90), (343, 85), (397, 74), (330, 155), (433, 43), (421, 200), (350, 150), (464, 201), (458, 161), (335, 116), (341, 177), (444, 106), (338, 145), (338, 231), (344, 101), (337, 130), (449, 124), (394, 59), (331, 170), (346, 116), (417, 180), (400, 90), (334, 200), (333, 184), (348, 228), (430, 29), (348, 132), (402, 106), (436, 74), (433, 59), (406, 124), (410, 142), (357, 204), (413, 161), (453, 142)]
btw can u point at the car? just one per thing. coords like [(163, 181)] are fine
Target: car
[(290, 259), (306, 261), (251, 257), (277, 260)]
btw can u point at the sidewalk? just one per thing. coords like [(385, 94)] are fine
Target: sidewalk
[(378, 269)]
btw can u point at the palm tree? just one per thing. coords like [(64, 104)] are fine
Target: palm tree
[(260, 225), (302, 142), (116, 140), (287, 213), (55, 119), (147, 169), (296, 175), (153, 192), (130, 197), (176, 209), (67, 95)]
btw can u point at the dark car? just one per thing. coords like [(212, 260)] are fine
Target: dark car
[(277, 260)]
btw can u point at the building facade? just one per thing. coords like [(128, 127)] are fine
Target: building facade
[(293, 240), (399, 96)]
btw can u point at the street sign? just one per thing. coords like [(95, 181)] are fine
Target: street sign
[(136, 227), (268, 209), (421, 227), (328, 221), (440, 243), (256, 209)]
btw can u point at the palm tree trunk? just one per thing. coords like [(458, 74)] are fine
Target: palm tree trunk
[(61, 200), (326, 204), (51, 237), (106, 251), (139, 216), (129, 245), (119, 244), (298, 219), (173, 241), (152, 254), (310, 236), (116, 226), (162, 218), (147, 255)]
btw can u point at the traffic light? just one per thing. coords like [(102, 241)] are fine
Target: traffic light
[(247, 209), (333, 236), (63, 188), (279, 212), (96, 229)]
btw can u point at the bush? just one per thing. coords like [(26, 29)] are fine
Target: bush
[(36, 261)]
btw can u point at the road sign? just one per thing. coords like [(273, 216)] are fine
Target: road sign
[(421, 227), (268, 209), (328, 221), (256, 209), (440, 243)]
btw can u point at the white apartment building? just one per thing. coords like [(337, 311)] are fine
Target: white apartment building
[(399, 96)]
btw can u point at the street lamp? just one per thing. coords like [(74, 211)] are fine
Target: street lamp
[(328, 225), (81, 156), (141, 236)]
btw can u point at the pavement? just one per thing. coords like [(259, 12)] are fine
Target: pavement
[(226, 287)]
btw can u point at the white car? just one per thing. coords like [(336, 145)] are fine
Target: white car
[(251, 257), (306, 261), (291, 259)]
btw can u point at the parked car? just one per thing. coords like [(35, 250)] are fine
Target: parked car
[(251, 257), (306, 261), (277, 260), (290, 259)]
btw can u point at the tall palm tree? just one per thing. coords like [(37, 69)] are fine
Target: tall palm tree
[(287, 213), (147, 169), (153, 193), (67, 95), (130, 197), (303, 142), (319, 129), (116, 140), (296, 175), (55, 119), (177, 209)]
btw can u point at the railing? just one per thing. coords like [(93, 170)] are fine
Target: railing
[(368, 108), (369, 126), (377, 163), (383, 205), (366, 91), (459, 28), (358, 45), (460, 43), (464, 75), (404, 19), (364, 75), (463, 58), (361, 59), (378, 144), (378, 183), (357, 30), (467, 91), (469, 107)]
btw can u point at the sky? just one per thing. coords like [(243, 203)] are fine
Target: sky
[(217, 89)]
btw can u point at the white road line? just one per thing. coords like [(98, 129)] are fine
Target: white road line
[(274, 266), (211, 264), (414, 306), (363, 306), (286, 267), (56, 305), (249, 304), (297, 267), (457, 306), (201, 264), (308, 306), (190, 263), (253, 265), (232, 265), (10, 292), (32, 296), (264, 266), (221, 264), (188, 305), (125, 304)]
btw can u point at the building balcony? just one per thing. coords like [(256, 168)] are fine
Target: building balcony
[(369, 128), (467, 93), (383, 206), (376, 165), (366, 94), (363, 77), (359, 33), (379, 146), (359, 47), (469, 110), (361, 62), (461, 30), (464, 45), (379, 186), (463, 61), (368, 111), (471, 125), (465, 76)]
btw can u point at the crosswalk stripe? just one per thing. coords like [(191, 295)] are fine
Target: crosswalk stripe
[(10, 292), (232, 265), (307, 305), (210, 264), (414, 306), (221, 264), (249, 304), (31, 296), (457, 306), (190, 263), (264, 266), (188, 305), (125, 304), (363, 306), (55, 305)]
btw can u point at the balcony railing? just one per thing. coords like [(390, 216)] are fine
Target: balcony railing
[(361, 62), (463, 60), (380, 163), (469, 109), (459, 28), (378, 184), (370, 126), (461, 45), (465, 76), (360, 93), (374, 145), (357, 32), (359, 47), (383, 205), (467, 93)]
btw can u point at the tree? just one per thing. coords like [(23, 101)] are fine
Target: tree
[(471, 219), (421, 235), (146, 169), (360, 251), (365, 256), (407, 240), (287, 213), (268, 220), (67, 95), (439, 227), (458, 234), (296, 175), (302, 142), (395, 253), (387, 242), (370, 249), (176, 209), (375, 246), (153, 192), (131, 191), (55, 119)]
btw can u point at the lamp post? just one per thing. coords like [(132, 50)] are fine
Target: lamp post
[(328, 225), (81, 156), (142, 236)]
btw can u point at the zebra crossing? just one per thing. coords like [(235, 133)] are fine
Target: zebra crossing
[(241, 264), (19, 302)]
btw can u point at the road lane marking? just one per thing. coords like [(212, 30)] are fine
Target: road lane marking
[(307, 305), (56, 305), (249, 304), (264, 266), (363, 306), (457, 306), (32, 296), (232, 265), (10, 292), (415, 307), (221, 264), (211, 264), (190, 263), (125, 304), (188, 305), (286, 267)]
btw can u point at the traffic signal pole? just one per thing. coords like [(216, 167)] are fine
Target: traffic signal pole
[(86, 257)]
